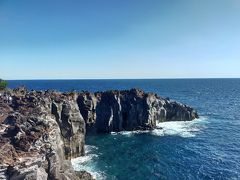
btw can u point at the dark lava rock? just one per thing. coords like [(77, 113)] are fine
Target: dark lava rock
[(116, 111)]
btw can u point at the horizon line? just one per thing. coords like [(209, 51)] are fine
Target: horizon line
[(43, 79)]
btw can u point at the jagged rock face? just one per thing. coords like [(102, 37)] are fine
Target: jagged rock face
[(130, 110), (108, 113), (87, 103), (179, 112), (137, 110), (35, 141), (72, 127), (40, 131)]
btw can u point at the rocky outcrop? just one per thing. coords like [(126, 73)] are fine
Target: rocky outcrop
[(109, 111), (41, 131), (72, 126)]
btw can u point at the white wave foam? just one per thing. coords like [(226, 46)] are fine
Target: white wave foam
[(86, 163), (176, 128), (84, 159), (89, 148), (124, 133), (179, 128)]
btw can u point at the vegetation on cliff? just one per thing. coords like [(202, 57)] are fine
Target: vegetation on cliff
[(3, 84)]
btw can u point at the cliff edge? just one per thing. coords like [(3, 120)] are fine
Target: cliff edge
[(41, 131)]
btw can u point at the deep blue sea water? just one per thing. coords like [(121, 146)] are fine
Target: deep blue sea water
[(207, 148)]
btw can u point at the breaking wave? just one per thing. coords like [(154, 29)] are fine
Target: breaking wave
[(86, 163), (173, 128), (180, 128)]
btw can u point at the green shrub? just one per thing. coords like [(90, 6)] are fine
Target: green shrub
[(3, 84)]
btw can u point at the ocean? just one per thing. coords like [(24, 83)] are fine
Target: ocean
[(206, 148)]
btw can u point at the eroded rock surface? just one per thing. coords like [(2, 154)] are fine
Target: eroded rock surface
[(129, 110), (41, 131)]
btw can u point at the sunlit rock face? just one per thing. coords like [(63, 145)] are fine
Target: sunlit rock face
[(39, 133), (72, 126)]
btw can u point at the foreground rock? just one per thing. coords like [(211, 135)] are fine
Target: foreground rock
[(41, 131)]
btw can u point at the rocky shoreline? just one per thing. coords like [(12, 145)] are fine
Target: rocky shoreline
[(41, 131)]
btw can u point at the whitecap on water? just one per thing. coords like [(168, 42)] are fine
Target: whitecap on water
[(129, 133), (89, 148), (179, 128), (176, 128), (86, 163)]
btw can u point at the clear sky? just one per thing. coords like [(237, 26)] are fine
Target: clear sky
[(61, 39)]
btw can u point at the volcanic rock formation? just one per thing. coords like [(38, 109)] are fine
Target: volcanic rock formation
[(109, 111), (41, 131)]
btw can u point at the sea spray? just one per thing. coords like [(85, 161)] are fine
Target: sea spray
[(180, 128), (86, 163), (172, 128)]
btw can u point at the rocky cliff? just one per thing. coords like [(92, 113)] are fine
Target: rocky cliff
[(109, 111), (41, 131)]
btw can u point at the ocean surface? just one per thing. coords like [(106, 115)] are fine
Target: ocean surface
[(206, 148)]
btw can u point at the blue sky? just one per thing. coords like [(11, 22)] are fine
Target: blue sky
[(61, 39)]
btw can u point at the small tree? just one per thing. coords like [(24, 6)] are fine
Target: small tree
[(3, 84)]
